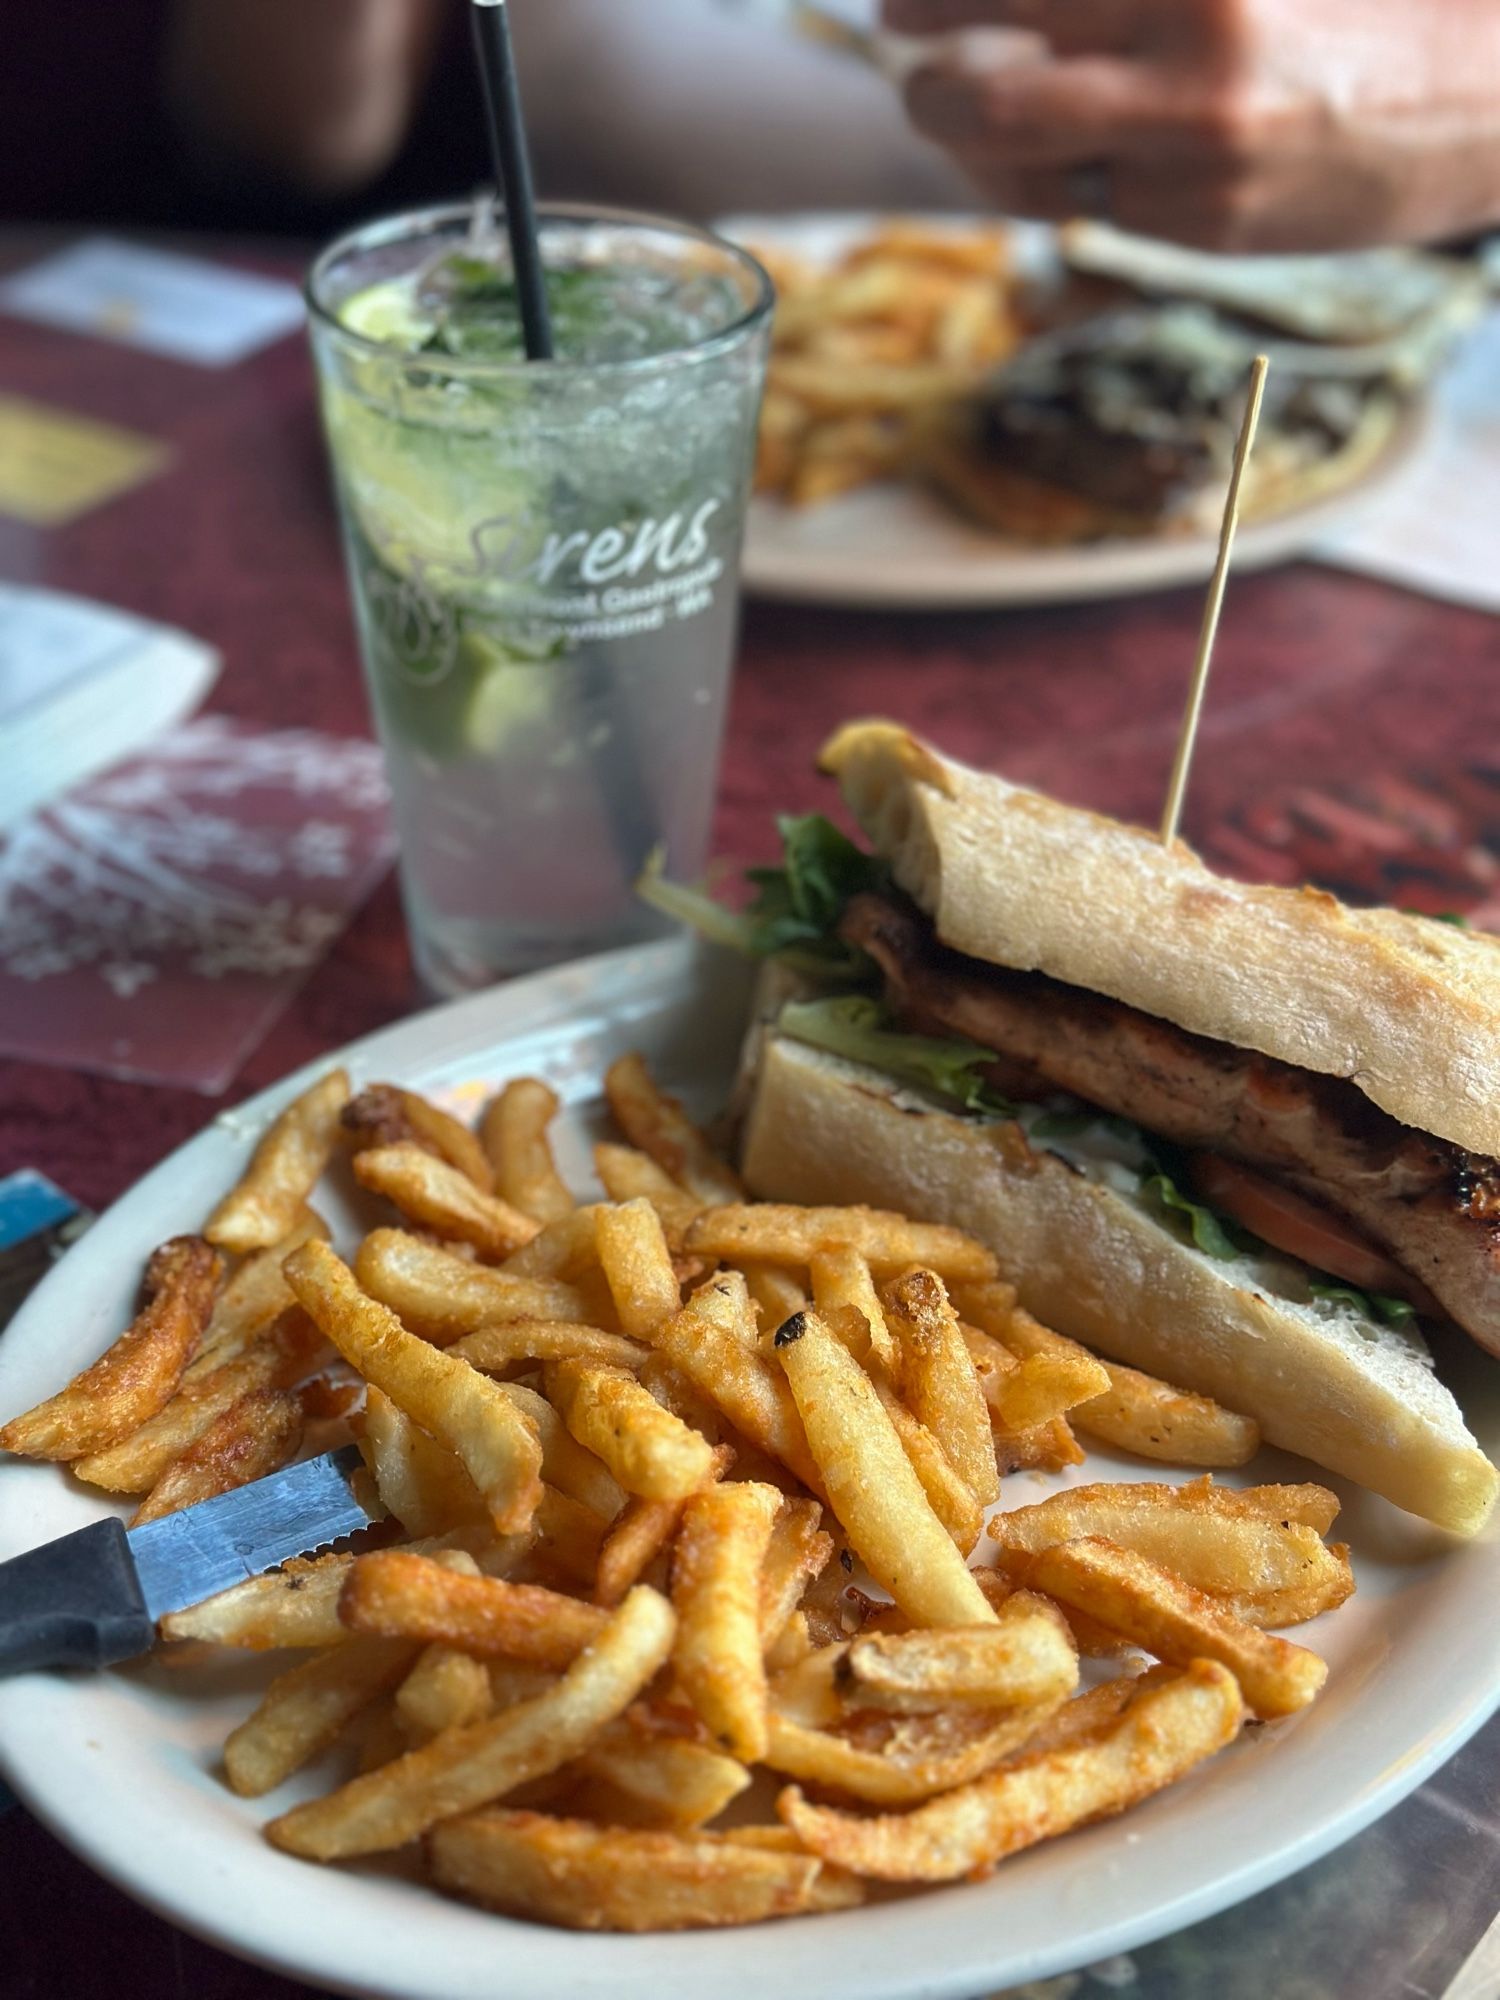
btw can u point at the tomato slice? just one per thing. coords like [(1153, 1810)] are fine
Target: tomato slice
[(1302, 1228)]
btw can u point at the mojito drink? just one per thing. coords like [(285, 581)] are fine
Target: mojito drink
[(543, 561)]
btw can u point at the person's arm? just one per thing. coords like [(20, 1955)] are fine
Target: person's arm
[(684, 106), (1238, 124), (311, 94)]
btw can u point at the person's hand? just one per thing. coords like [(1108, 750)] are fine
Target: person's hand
[(1236, 124)]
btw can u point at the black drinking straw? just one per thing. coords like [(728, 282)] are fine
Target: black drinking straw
[(507, 129), (621, 779)]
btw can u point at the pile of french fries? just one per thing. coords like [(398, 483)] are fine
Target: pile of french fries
[(645, 1454), (866, 351)]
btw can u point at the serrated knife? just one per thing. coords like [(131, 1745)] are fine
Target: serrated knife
[(93, 1597)]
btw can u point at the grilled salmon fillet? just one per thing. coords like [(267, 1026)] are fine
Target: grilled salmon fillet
[(1432, 1206)]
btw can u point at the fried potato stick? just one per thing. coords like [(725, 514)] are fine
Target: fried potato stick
[(465, 1768), (265, 1203), (586, 1877), (463, 1409), (870, 1483), (514, 1131), (716, 1583), (1167, 1727), (131, 1380)]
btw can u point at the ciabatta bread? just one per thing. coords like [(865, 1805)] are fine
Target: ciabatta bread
[(1404, 1007), (1354, 1396)]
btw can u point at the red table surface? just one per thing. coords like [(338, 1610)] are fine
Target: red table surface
[(1319, 677)]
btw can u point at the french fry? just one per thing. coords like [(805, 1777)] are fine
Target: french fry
[(716, 1582), (797, 1554), (836, 389), (791, 1646), (277, 1360), (400, 1595), (265, 1204), (637, 1266), (781, 1234), (421, 1483), (297, 1605), (131, 1380), (1264, 1566), (627, 1174), (649, 1451), (565, 1463), (1024, 1659), (1136, 1413), (453, 1402), (870, 1483), (713, 1342), (1023, 1395), (437, 1196), (587, 1877), (569, 1537), (567, 1248), (253, 1298), (514, 1130), (445, 1689), (256, 1435), (643, 1529), (385, 1115), (841, 1279), (1176, 1622), (1047, 1448), (443, 1297), (658, 1780), (309, 1707), (774, 1292), (1167, 1728), (658, 1126), (937, 1378), (498, 1348), (901, 1759), (807, 1692), (950, 1496), (465, 1768)]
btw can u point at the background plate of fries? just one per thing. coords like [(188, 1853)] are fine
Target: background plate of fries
[(880, 323), (660, 1458)]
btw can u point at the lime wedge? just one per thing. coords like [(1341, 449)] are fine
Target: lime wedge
[(504, 692), (389, 313)]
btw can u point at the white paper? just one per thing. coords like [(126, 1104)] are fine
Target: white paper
[(1434, 528), (178, 306), (82, 685)]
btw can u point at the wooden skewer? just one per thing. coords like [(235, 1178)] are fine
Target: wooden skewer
[(1208, 631)]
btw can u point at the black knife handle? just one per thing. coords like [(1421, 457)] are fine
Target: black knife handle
[(76, 1602)]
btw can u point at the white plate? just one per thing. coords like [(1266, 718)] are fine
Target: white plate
[(123, 1766), (894, 544)]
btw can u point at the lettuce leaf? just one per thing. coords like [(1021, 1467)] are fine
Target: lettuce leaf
[(1210, 1232), (1375, 1305), (854, 1026), (795, 911)]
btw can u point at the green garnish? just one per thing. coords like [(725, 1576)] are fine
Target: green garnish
[(1374, 1305), (796, 908), (1210, 1232), (855, 1027)]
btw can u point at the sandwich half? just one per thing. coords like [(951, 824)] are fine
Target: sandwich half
[(1243, 1137)]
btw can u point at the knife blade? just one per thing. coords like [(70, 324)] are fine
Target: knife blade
[(93, 1597)]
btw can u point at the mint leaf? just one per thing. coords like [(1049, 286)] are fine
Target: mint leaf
[(1374, 1305), (853, 1026)]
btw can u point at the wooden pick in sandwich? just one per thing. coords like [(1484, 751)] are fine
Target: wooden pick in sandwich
[(1208, 630)]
